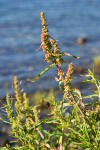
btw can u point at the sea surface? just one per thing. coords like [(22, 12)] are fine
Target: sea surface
[(20, 29)]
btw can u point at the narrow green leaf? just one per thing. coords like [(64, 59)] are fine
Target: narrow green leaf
[(90, 96), (39, 75), (67, 54)]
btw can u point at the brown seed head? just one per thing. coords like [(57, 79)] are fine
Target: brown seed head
[(68, 74)]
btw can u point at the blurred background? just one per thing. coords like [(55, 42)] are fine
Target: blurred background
[(75, 24)]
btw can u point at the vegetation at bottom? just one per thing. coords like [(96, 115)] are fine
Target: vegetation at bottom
[(71, 123)]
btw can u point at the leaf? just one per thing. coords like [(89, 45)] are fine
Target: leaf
[(60, 85), (67, 54), (48, 133), (76, 132), (47, 121), (90, 96), (78, 93), (39, 75)]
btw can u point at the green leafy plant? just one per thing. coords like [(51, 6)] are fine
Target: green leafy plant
[(59, 129)]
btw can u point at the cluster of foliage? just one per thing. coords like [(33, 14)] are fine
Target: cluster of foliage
[(59, 129)]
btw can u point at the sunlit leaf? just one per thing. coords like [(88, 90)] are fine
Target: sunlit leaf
[(39, 75)]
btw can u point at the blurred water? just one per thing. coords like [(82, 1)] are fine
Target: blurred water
[(20, 29)]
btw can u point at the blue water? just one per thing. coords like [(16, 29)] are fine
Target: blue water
[(20, 29)]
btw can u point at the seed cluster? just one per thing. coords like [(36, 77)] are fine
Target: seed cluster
[(49, 45)]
